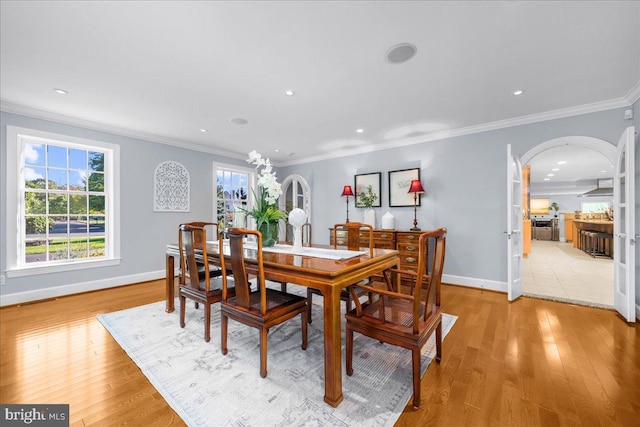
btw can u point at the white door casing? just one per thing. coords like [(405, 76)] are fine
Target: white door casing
[(514, 226), (624, 227)]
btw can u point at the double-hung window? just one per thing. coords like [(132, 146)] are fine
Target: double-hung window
[(233, 186), (62, 195)]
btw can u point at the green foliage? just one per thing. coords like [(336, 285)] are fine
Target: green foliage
[(369, 198), (264, 212), (37, 224), (554, 206)]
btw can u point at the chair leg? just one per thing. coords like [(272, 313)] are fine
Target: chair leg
[(439, 342), (283, 286), (303, 322), (415, 361), (264, 332), (309, 304), (224, 322), (183, 305), (207, 322), (196, 305), (349, 350)]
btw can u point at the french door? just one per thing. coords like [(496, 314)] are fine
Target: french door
[(624, 216), (514, 226)]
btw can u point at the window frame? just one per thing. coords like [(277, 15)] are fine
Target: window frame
[(251, 183), (14, 243)]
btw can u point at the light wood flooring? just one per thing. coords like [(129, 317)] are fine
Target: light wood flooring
[(527, 363)]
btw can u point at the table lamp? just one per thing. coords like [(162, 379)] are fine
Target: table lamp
[(415, 188), (346, 192)]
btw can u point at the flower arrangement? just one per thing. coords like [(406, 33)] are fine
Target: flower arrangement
[(265, 211), (369, 198)]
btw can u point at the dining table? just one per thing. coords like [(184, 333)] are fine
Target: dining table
[(303, 267)]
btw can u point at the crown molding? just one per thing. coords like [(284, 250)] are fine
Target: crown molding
[(634, 94), (102, 127), (500, 124)]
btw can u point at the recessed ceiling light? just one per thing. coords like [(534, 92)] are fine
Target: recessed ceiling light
[(277, 151), (239, 121), (547, 179), (603, 171), (550, 174), (60, 91), (289, 93), (555, 169), (360, 130), (562, 162), (203, 130), (517, 92), (400, 53)]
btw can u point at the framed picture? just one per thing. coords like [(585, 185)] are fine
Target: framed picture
[(362, 183), (399, 182)]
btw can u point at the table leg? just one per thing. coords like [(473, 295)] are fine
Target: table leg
[(332, 347), (169, 285)]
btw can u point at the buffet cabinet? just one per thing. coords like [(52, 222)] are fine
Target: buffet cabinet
[(405, 242)]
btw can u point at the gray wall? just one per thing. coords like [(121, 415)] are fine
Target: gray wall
[(464, 178), (144, 233), (465, 183)]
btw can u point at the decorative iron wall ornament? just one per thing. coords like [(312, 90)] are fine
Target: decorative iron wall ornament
[(171, 188)]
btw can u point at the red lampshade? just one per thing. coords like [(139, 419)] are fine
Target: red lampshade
[(347, 191), (416, 187)]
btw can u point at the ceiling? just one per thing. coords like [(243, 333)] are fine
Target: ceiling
[(574, 170), (165, 70)]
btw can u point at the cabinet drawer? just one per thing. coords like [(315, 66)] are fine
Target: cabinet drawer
[(408, 237), (409, 262), (410, 249)]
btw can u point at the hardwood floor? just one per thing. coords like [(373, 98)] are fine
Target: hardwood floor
[(527, 363)]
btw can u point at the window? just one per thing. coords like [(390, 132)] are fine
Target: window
[(233, 186), (595, 207), (62, 200)]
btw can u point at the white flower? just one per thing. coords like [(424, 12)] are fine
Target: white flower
[(267, 179)]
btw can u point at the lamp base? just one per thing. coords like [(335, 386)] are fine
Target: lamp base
[(415, 229)]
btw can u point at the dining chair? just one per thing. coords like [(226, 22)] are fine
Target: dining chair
[(262, 308), (196, 279), (401, 319), (214, 271), (353, 230)]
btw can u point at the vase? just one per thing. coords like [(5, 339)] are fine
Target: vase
[(370, 217), (269, 231), (388, 221)]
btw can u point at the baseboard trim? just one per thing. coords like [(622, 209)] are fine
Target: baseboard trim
[(59, 291), (637, 312), (472, 282)]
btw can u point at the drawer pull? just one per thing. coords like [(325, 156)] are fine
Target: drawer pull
[(384, 236), (411, 248), (411, 237), (411, 259), (340, 242)]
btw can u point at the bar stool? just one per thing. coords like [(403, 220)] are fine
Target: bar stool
[(589, 242), (603, 243)]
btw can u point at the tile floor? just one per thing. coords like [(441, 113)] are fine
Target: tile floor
[(559, 271)]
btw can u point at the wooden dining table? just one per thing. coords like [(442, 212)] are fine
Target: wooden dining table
[(327, 275)]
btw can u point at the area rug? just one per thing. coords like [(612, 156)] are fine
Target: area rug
[(208, 389)]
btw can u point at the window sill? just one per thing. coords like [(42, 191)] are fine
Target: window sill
[(47, 269)]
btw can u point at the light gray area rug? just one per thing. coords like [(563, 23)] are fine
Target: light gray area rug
[(208, 389)]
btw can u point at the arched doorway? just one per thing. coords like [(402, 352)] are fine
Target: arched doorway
[(557, 266), (296, 193), (623, 158)]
